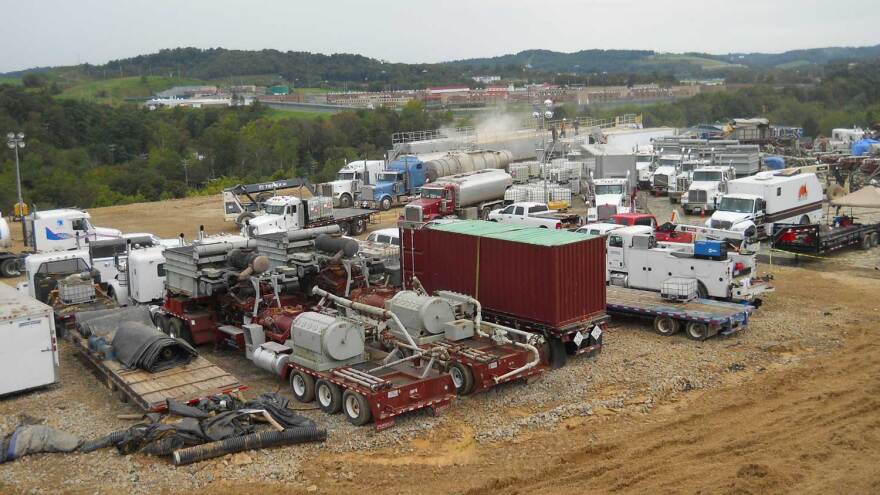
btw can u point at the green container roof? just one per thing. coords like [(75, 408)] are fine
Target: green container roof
[(513, 233)]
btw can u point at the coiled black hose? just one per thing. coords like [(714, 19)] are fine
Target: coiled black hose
[(260, 440), (100, 443)]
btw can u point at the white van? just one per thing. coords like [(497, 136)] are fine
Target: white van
[(759, 201)]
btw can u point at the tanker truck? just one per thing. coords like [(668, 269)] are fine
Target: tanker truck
[(469, 195), (404, 177)]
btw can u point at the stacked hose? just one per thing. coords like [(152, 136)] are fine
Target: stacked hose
[(253, 441), (138, 345)]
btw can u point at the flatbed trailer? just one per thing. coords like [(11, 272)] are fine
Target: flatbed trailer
[(818, 239), (373, 390), (479, 363), (188, 383), (700, 318), (65, 314)]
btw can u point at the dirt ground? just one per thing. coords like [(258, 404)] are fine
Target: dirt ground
[(789, 405)]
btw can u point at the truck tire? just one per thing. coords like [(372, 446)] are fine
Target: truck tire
[(329, 396), (9, 268), (556, 353), (702, 291), (666, 326), (303, 386), (344, 228), (385, 204), (357, 409), (244, 218), (360, 226), (178, 329), (345, 201), (867, 241), (805, 220), (462, 378), (875, 239), (697, 331)]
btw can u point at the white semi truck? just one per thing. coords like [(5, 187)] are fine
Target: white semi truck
[(707, 187), (756, 203), (610, 197), (345, 190), (287, 213), (63, 229), (634, 260)]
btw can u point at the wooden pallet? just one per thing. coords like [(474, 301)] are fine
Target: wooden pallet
[(189, 383)]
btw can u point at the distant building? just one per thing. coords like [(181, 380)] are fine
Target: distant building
[(189, 92), (279, 90), (486, 79), (201, 102)]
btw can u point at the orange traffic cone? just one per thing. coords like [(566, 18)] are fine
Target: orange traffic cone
[(702, 213)]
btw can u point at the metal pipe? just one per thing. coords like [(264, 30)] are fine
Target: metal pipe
[(531, 364), (371, 310), (306, 234), (248, 442), (371, 386)]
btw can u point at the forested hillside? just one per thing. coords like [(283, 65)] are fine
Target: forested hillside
[(88, 154)]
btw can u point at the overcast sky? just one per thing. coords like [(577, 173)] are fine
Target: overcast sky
[(65, 32)]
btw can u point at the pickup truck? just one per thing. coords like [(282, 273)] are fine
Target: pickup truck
[(534, 215)]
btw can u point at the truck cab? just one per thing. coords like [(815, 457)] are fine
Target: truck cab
[(63, 229), (708, 185), (644, 166), (435, 201), (286, 213), (610, 196), (665, 173), (401, 179), (682, 182), (662, 232), (346, 189)]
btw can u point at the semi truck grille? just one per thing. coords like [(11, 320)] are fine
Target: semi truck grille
[(661, 180), (604, 212), (412, 214), (719, 224), (697, 196), (326, 190)]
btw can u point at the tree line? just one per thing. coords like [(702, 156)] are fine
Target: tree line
[(87, 154)]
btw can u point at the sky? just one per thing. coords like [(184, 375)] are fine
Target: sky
[(38, 33)]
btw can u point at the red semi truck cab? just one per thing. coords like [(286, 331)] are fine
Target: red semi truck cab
[(663, 233), (435, 202)]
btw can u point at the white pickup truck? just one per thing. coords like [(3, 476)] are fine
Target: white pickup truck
[(534, 215)]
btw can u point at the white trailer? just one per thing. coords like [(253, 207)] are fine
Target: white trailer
[(29, 354)]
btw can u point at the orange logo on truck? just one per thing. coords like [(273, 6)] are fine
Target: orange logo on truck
[(802, 192)]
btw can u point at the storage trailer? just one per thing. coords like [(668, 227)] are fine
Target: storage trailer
[(819, 239), (29, 356), (542, 281)]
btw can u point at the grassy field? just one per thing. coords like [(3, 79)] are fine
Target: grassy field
[(117, 91), (703, 63), (277, 114), (10, 80)]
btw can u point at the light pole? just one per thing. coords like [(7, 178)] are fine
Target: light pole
[(16, 141), (542, 119)]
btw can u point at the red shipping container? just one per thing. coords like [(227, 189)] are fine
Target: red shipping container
[(553, 279)]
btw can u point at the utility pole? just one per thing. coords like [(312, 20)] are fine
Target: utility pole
[(186, 172), (16, 141)]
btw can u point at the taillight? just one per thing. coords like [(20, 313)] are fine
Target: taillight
[(558, 226), (739, 266)]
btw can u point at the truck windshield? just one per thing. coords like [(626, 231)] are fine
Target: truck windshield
[(737, 205), (346, 176), (388, 177), (274, 209), (432, 193), (609, 189), (705, 176), (669, 162)]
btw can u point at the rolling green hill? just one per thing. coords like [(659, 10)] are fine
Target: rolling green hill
[(120, 90)]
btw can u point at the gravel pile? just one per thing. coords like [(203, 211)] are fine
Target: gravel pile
[(637, 370)]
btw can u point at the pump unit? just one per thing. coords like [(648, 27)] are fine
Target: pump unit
[(322, 342), (421, 315)]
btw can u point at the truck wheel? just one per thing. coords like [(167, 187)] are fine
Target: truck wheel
[(179, 330), (345, 201), (344, 228), (875, 239), (385, 204), (866, 241), (303, 386), (697, 331), (9, 268), (243, 218), (556, 353), (357, 409), (666, 326), (805, 220), (329, 396), (702, 292), (360, 226), (462, 378)]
